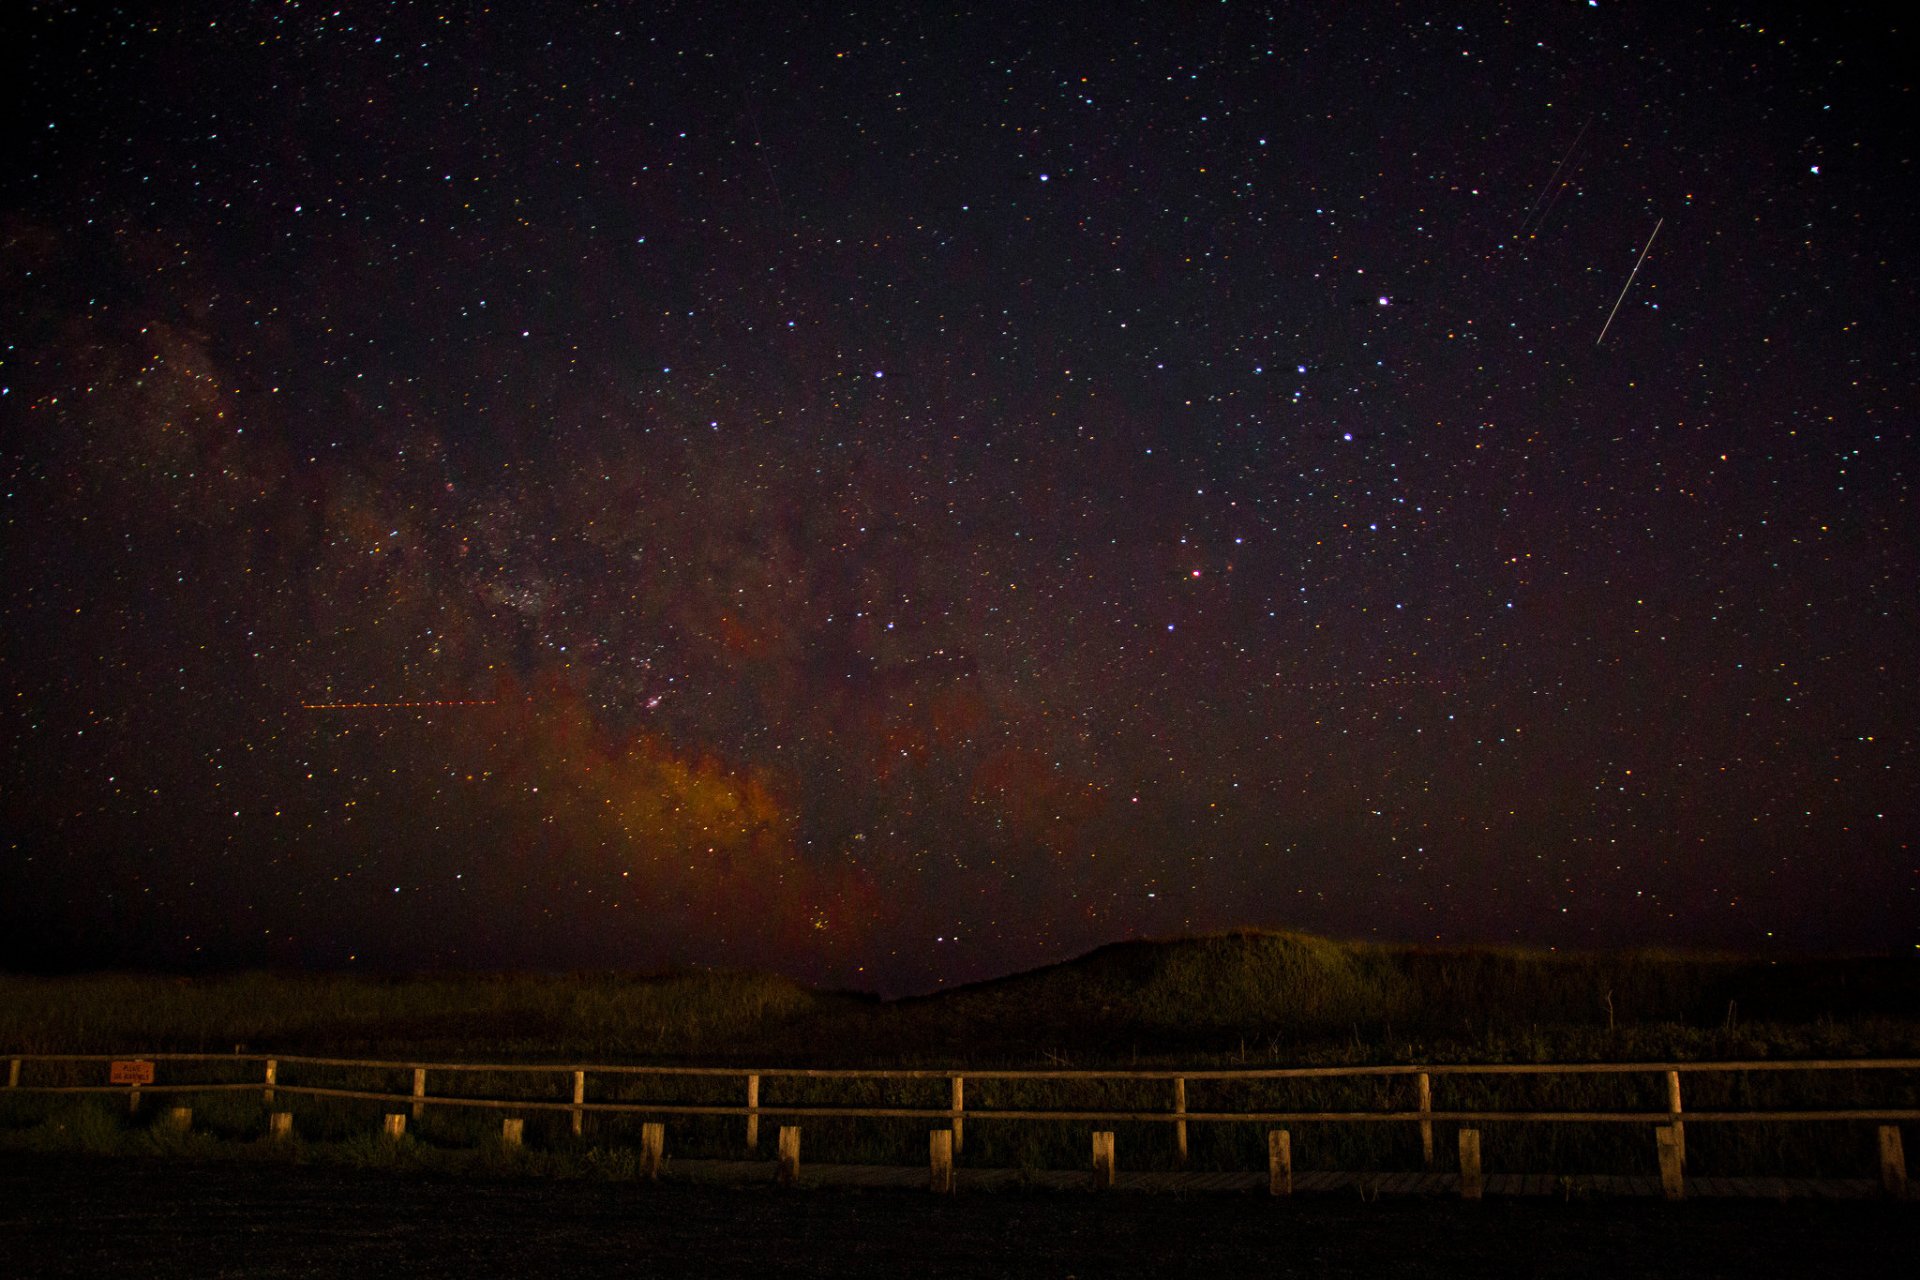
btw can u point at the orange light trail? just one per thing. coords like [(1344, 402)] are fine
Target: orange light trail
[(396, 706)]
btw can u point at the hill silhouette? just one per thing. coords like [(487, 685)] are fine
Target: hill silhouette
[(1271, 994)]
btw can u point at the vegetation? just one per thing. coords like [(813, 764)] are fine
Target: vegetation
[(499, 1017), (1244, 998), (1250, 995)]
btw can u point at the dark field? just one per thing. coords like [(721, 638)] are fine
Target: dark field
[(74, 1216)]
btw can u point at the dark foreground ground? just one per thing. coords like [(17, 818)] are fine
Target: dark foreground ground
[(81, 1216)]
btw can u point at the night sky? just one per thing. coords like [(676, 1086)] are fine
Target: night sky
[(906, 494)]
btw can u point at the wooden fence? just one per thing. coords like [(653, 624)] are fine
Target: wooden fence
[(131, 1076)]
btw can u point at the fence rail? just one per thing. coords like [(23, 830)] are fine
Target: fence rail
[(131, 1075), (1080, 1073)]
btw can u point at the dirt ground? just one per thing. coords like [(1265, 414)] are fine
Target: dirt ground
[(77, 1216)]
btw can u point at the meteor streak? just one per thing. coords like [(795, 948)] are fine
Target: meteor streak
[(1628, 285), (1553, 187), (395, 706)]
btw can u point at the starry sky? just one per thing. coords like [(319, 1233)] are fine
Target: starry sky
[(902, 493)]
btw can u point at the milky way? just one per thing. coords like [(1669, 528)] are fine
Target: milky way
[(903, 496)]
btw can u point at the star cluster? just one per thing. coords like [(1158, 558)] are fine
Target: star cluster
[(905, 495)]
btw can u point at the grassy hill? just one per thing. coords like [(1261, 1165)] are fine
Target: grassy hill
[(1241, 996)]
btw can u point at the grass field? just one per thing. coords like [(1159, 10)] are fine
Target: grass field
[(80, 1218), (1245, 998)]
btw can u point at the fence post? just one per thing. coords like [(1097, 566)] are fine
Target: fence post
[(579, 1097), (959, 1106), (419, 1091), (1673, 1117), (653, 1141), (1471, 1183), (1103, 1159), (787, 1173), (273, 1076), (1279, 1162), (280, 1126), (395, 1127), (513, 1132), (1673, 1183), (753, 1113), (1425, 1090), (1180, 1126), (940, 1161), (13, 1074), (1893, 1163)]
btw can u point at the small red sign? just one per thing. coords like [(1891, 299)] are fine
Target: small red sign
[(136, 1072)]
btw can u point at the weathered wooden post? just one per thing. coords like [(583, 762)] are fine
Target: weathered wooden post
[(753, 1113), (395, 1127), (513, 1132), (1673, 1118), (787, 1172), (653, 1142), (280, 1126), (579, 1098), (1673, 1183), (419, 1091), (1279, 1162), (959, 1107), (940, 1161), (179, 1119), (1180, 1126), (1893, 1163), (1103, 1160), (1424, 1089), (13, 1074), (273, 1077), (1472, 1185)]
